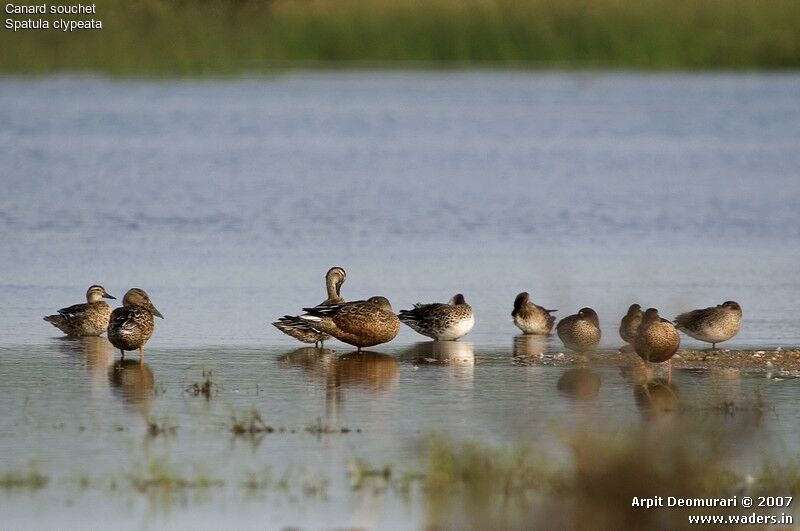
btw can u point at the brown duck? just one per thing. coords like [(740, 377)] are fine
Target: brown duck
[(629, 325), (657, 340), (132, 325), (359, 323), (441, 322), (299, 329), (532, 318), (712, 325), (580, 332), (86, 319)]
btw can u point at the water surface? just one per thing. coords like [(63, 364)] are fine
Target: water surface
[(228, 200)]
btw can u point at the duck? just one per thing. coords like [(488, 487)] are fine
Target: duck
[(299, 329), (532, 318), (630, 323), (131, 325), (712, 325), (89, 318), (441, 322), (359, 323), (657, 339), (581, 331)]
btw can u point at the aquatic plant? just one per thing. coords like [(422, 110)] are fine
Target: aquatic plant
[(156, 428), (27, 478), (159, 477), (201, 37), (469, 486), (205, 388), (250, 424)]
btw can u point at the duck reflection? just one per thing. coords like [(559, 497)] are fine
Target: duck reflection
[(656, 397), (579, 383), (355, 370), (460, 355), (313, 360), (134, 383), (98, 355), (365, 369), (529, 346)]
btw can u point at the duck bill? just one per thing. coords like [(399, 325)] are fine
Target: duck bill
[(109, 296), (155, 311)]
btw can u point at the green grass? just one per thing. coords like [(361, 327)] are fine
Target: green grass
[(228, 37)]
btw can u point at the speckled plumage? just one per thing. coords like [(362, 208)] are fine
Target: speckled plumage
[(712, 325), (131, 326), (657, 339), (580, 332), (359, 323), (299, 329), (86, 319), (442, 322), (629, 326), (532, 318)]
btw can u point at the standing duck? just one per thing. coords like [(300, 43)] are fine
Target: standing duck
[(132, 325), (442, 322), (359, 323), (580, 332), (629, 325), (657, 340), (532, 318), (86, 319), (299, 329), (712, 325)]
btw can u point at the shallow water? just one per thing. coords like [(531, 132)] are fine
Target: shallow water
[(228, 200)]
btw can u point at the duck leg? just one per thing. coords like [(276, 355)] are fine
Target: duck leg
[(141, 355), (669, 372), (122, 353)]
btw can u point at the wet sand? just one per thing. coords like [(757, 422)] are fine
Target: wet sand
[(785, 361)]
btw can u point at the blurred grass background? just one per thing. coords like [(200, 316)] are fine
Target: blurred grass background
[(226, 37)]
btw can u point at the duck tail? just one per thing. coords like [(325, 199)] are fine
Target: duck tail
[(57, 320)]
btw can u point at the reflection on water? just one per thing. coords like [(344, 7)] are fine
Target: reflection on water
[(579, 383), (133, 382), (365, 369), (529, 346), (459, 355), (656, 397), (98, 355)]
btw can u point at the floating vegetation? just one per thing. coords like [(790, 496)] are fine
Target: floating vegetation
[(360, 473), (159, 477), (207, 388), (28, 478), (165, 427), (320, 429), (251, 424)]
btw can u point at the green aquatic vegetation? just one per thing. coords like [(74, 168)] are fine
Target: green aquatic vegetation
[(206, 388), (164, 427), (223, 37), (360, 473), (251, 424), (258, 480), (27, 478), (161, 477), (471, 486)]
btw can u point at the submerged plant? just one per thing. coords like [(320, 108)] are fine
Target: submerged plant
[(206, 388), (251, 424), (28, 478)]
